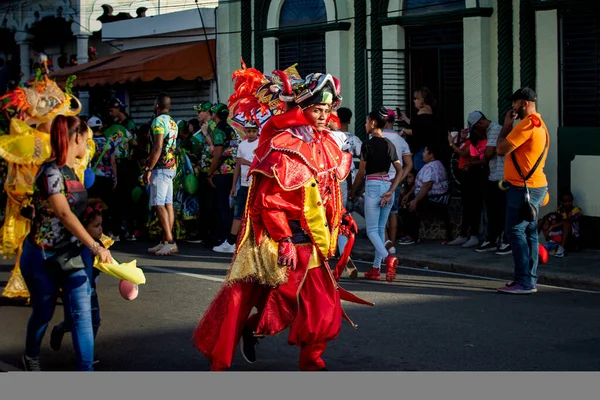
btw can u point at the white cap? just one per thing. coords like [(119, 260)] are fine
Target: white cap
[(250, 124), (94, 122)]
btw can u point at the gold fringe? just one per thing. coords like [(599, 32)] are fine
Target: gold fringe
[(16, 287)]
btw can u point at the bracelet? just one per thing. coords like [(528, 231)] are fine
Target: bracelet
[(95, 248)]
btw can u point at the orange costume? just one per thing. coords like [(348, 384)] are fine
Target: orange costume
[(294, 207)]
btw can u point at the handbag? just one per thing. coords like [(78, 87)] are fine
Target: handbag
[(528, 211), (66, 259)]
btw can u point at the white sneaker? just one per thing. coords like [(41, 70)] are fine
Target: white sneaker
[(560, 252), (156, 248), (225, 247), (167, 249), (473, 242), (459, 241)]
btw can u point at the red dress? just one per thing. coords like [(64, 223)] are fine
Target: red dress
[(295, 193)]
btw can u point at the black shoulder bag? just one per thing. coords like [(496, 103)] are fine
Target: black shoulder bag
[(528, 211)]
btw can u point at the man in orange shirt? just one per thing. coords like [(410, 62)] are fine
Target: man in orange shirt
[(528, 140)]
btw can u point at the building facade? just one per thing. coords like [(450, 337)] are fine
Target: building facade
[(472, 54)]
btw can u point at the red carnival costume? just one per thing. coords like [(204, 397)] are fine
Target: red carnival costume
[(294, 212)]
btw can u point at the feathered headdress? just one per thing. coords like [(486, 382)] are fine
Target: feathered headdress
[(41, 101), (257, 96)]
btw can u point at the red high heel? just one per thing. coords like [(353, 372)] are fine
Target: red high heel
[(390, 266)]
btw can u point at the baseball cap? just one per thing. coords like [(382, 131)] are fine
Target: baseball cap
[(473, 118), (221, 110), (116, 103), (250, 124), (94, 122), (525, 93), (204, 106)]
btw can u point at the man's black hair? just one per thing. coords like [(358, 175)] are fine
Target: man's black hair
[(163, 101)]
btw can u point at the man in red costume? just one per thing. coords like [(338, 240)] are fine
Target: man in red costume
[(292, 220)]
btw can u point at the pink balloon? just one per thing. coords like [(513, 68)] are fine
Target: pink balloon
[(128, 290)]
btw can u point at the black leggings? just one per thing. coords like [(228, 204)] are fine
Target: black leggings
[(472, 188)]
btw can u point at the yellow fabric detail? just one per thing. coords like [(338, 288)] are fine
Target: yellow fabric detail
[(315, 259), (106, 241), (82, 163), (257, 263), (16, 286), (247, 222), (126, 271), (314, 215)]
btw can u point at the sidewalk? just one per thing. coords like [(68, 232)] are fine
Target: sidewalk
[(575, 270)]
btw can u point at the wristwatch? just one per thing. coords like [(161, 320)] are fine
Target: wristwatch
[(147, 169)]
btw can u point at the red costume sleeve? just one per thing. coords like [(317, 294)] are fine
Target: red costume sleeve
[(273, 207)]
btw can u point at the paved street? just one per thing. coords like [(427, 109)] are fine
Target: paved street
[(425, 321)]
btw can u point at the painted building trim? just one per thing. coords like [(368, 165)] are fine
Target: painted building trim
[(438, 18)]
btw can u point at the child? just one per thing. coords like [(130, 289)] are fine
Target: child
[(405, 191), (245, 155), (561, 227), (92, 221)]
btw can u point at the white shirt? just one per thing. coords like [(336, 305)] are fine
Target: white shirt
[(496, 162), (246, 151), (402, 148)]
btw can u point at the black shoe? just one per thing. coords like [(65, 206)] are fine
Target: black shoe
[(56, 337), (31, 364), (487, 246), (247, 343), (504, 250)]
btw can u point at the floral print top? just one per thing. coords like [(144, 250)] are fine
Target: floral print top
[(166, 126), (47, 231), (122, 141), (223, 135), (104, 168)]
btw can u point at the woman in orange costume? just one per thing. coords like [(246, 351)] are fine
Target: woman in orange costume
[(292, 220)]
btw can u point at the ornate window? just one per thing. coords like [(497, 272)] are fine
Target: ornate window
[(418, 7), (308, 49)]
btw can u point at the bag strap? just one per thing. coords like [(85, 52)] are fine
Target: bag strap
[(536, 165), (106, 146)]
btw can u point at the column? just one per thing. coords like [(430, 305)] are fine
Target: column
[(476, 59), (82, 47), (547, 90), (270, 54), (84, 98), (23, 39), (339, 63)]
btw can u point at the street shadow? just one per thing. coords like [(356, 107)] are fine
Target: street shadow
[(420, 336)]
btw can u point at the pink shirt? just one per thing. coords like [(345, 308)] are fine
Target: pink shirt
[(478, 150)]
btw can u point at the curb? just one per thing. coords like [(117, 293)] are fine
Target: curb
[(4, 367), (544, 277)]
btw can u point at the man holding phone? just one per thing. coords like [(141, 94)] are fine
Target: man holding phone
[(526, 148)]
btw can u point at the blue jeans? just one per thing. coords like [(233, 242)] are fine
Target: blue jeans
[(376, 217), (523, 235), (67, 324), (43, 289)]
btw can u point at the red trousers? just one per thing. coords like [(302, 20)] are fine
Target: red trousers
[(308, 303)]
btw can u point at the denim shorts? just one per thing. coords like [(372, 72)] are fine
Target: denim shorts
[(161, 187), (240, 202)]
